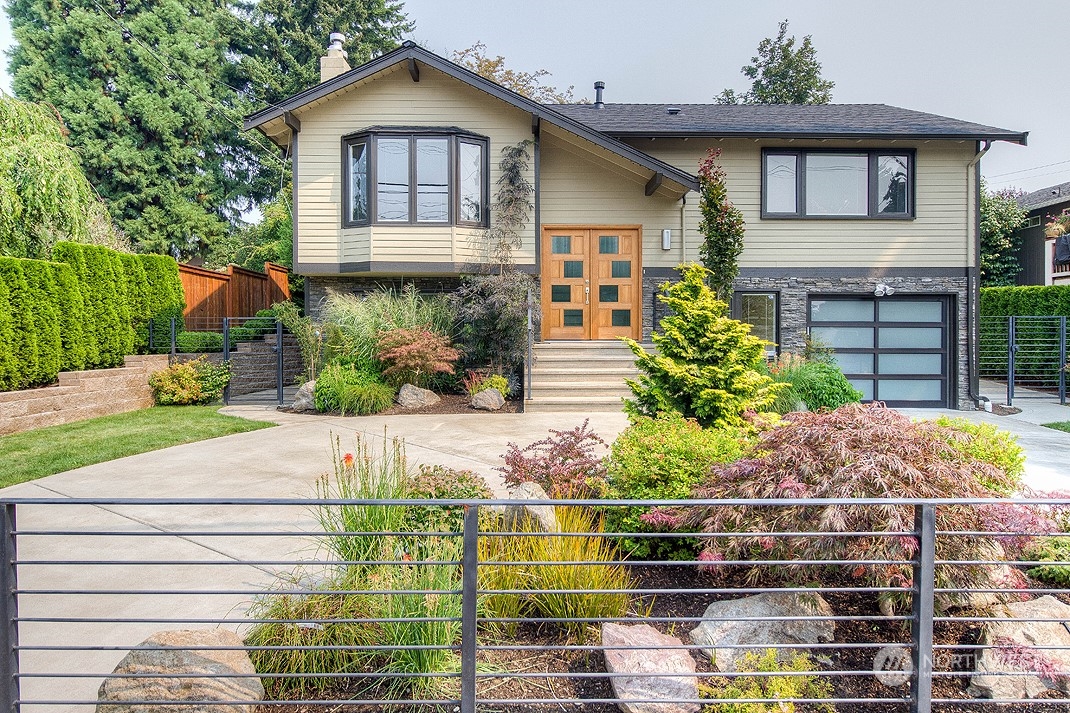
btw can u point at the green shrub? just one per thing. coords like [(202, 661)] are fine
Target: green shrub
[(798, 683), (125, 338), (663, 458), (189, 383), (107, 327), (346, 389), (46, 326), (198, 342), (1055, 549), (309, 336), (492, 319), (23, 337), (70, 310), (413, 356), (475, 382), (817, 384), (706, 366), (9, 369), (165, 298), (986, 443), (437, 482)]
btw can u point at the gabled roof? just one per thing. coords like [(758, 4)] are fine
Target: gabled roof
[(410, 50), (819, 121), (1045, 197)]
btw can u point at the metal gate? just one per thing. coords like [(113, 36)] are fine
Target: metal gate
[(1027, 353)]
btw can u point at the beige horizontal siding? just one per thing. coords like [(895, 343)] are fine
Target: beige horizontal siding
[(391, 99), (939, 236)]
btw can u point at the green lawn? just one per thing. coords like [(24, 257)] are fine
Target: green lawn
[(35, 454), (1059, 426)]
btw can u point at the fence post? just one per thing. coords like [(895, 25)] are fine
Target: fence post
[(9, 611), (1062, 360), (279, 361), (174, 339), (469, 593), (226, 357), (922, 604), (1010, 360)]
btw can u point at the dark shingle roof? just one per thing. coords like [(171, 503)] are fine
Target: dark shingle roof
[(1045, 197), (769, 120)]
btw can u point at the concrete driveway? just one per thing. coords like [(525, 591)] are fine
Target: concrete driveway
[(280, 462)]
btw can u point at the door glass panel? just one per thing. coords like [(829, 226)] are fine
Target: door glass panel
[(909, 389), (608, 293), (471, 170), (358, 182), (911, 363), (837, 184), (841, 310), (865, 386), (573, 268), (608, 244), (854, 363), (561, 245), (911, 338), (432, 180), (560, 293), (844, 337), (622, 318), (622, 269), (892, 180), (781, 184), (392, 179), (910, 311), (572, 318)]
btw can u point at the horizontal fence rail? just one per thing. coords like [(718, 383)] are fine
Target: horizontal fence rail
[(1028, 353), (489, 605)]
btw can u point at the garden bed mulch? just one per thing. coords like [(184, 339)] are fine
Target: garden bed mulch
[(450, 404), (579, 685)]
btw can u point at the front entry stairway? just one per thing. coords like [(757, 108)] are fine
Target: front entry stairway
[(580, 376)]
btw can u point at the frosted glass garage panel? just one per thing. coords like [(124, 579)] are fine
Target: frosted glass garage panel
[(910, 390), (865, 386), (912, 311), (841, 310), (911, 338), (855, 363), (910, 364), (844, 337)]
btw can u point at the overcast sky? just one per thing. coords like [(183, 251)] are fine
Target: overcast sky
[(987, 61)]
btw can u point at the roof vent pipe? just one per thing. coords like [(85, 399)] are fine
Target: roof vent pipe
[(598, 103), (337, 38), (673, 110)]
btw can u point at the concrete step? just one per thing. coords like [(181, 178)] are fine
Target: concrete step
[(618, 388), (582, 376), (582, 404)]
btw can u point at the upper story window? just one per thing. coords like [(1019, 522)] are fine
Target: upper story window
[(837, 184), (429, 177)]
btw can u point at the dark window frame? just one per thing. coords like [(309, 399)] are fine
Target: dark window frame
[(737, 311), (873, 156), (454, 137)]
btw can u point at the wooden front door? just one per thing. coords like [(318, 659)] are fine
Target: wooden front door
[(591, 283)]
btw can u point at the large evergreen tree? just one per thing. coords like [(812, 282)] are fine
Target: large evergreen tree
[(139, 84), (783, 74)]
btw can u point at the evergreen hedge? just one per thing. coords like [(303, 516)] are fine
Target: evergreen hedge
[(1033, 362), (89, 309), (1029, 301)]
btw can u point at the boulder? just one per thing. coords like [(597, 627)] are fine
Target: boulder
[(410, 396), (999, 577), (1015, 665), (651, 667), (305, 400), (541, 517), (719, 636), (176, 652), (488, 400)]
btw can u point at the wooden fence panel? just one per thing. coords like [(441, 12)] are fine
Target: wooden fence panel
[(238, 292)]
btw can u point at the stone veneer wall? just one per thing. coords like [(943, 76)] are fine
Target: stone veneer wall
[(81, 395), (317, 288), (794, 292)]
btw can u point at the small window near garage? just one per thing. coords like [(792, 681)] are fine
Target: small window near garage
[(761, 310), (837, 184)]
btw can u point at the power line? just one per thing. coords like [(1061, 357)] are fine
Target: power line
[(1039, 175), (1034, 168)]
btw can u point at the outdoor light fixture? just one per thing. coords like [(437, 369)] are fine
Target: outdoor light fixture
[(666, 239), (882, 289)]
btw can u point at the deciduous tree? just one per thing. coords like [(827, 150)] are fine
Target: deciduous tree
[(782, 74), (1001, 217), (528, 84)]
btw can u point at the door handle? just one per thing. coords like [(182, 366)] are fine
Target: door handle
[(587, 295)]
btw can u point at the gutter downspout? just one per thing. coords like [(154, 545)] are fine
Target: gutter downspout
[(973, 317), (683, 228)]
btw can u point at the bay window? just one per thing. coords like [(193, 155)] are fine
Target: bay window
[(422, 178)]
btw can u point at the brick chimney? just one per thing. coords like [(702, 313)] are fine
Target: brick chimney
[(334, 63)]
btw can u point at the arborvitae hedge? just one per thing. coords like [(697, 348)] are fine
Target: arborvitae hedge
[(81, 311), (1031, 301)]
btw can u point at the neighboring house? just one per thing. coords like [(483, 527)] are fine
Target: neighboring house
[(862, 220), (1037, 252)]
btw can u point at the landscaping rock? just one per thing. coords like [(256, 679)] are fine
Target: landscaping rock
[(488, 400), (542, 517), (652, 666), (305, 400), (720, 638), (183, 657), (414, 397), (1000, 577), (1026, 655)]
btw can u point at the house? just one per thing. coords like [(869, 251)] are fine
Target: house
[(862, 220), (1037, 251)]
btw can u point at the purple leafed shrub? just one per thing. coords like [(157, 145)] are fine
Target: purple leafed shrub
[(564, 464)]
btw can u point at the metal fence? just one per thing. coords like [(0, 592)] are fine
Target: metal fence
[(83, 581), (1029, 354)]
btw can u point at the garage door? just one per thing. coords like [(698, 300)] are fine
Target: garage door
[(892, 349)]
